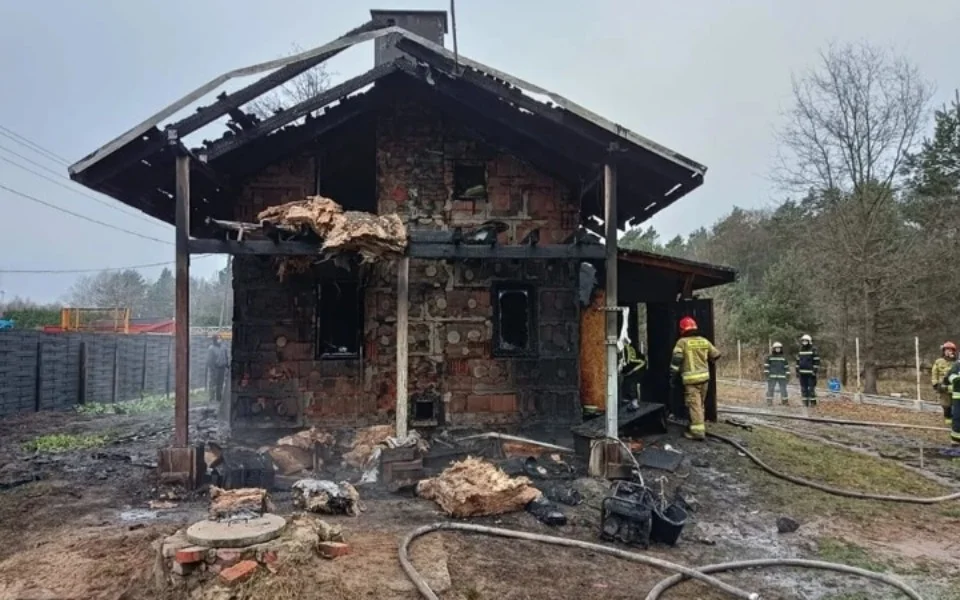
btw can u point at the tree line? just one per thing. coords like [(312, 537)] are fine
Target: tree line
[(211, 299), (861, 245)]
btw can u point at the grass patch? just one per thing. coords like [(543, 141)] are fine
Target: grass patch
[(147, 404), (839, 551), (829, 465), (64, 442)]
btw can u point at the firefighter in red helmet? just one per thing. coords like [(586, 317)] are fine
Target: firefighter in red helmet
[(938, 376), (691, 362)]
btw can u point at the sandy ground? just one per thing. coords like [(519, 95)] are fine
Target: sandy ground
[(83, 529)]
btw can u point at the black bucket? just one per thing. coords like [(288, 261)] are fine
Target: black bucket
[(667, 524)]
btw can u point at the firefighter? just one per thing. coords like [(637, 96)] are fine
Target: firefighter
[(808, 367), (941, 368), (953, 380), (634, 366), (775, 369), (691, 362)]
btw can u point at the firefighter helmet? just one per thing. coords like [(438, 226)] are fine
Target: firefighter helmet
[(687, 324), (948, 346), (777, 346), (805, 338)]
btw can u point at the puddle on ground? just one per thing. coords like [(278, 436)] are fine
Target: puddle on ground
[(137, 514)]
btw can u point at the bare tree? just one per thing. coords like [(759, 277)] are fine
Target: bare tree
[(302, 87), (854, 120)]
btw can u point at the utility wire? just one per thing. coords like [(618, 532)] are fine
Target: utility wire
[(67, 187), (26, 142), (77, 271), (82, 217)]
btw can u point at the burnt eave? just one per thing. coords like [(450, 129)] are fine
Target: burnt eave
[(557, 134)]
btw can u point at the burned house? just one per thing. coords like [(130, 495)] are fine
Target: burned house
[(482, 319)]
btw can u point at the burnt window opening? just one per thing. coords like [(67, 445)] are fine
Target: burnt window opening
[(423, 410), (469, 181), (514, 320), (339, 319)]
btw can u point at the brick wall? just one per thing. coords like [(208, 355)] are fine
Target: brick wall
[(278, 380), (118, 367)]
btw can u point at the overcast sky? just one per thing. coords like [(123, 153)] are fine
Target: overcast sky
[(707, 78)]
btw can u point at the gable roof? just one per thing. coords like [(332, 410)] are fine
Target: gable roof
[(136, 167)]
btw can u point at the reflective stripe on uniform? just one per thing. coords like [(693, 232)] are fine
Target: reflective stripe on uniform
[(806, 372), (954, 435), (696, 377), (702, 428)]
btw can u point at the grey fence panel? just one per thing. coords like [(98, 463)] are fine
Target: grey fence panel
[(42, 371)]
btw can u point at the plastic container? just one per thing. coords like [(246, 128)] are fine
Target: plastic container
[(668, 524)]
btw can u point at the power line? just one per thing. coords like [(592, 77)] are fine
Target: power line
[(66, 187), (78, 271), (26, 142), (83, 217)]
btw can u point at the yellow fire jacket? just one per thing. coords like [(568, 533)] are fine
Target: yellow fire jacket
[(691, 358)]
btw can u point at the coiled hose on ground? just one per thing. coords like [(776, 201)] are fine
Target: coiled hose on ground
[(682, 572), (826, 488)]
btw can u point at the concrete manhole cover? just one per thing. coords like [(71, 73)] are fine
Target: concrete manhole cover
[(236, 534)]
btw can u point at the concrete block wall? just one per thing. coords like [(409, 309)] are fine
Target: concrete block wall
[(277, 378)]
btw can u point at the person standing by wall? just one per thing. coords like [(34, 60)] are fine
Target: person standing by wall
[(776, 370), (808, 368), (938, 375), (217, 363), (691, 360)]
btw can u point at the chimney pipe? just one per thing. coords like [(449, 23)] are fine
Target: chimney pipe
[(429, 24)]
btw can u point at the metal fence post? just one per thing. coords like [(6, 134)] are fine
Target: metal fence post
[(739, 365), (857, 397), (916, 345)]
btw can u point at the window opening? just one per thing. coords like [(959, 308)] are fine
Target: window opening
[(339, 319)]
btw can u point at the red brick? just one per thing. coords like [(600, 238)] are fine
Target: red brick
[(503, 403), (269, 557), (239, 572), (191, 555), (478, 403), (227, 557), (333, 549)]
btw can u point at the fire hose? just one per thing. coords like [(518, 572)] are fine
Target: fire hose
[(827, 420), (681, 572), (673, 580), (429, 594), (826, 488)]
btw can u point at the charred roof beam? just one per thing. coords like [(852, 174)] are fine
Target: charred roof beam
[(287, 116)]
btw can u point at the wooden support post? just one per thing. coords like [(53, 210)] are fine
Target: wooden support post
[(610, 222), (182, 362), (403, 307)]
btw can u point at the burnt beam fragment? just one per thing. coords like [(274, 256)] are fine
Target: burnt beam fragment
[(428, 250)]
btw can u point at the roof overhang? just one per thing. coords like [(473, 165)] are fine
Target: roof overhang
[(648, 276), (136, 167)]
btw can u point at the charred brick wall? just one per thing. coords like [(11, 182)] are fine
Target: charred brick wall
[(276, 375)]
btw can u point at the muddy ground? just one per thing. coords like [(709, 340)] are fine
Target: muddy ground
[(78, 523)]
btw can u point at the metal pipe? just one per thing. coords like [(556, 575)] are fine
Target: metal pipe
[(612, 305)]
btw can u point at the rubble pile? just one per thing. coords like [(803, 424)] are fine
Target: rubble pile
[(296, 453), (243, 503), (373, 237), (473, 487), (326, 497)]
